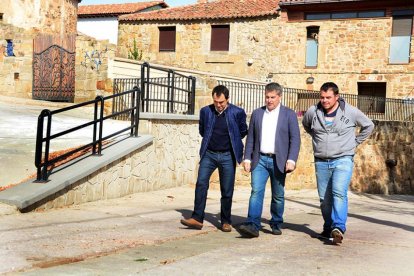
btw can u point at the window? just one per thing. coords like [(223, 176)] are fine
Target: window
[(167, 39), (1, 17), (220, 35), (344, 15), (372, 96), (401, 39), (312, 46)]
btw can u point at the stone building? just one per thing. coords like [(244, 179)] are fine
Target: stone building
[(101, 21), (42, 55), (20, 22), (45, 16), (362, 45)]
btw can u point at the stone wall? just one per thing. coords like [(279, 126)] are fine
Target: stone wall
[(389, 141), (350, 51), (91, 74), (16, 71), (92, 71), (46, 16), (170, 161)]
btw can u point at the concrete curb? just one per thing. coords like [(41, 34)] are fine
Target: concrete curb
[(26, 194)]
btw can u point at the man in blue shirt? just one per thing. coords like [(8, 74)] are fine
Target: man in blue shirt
[(222, 126)]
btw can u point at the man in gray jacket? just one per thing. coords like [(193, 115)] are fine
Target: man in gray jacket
[(332, 123)]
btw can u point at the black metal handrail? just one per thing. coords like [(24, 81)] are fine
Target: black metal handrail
[(42, 161), (163, 91), (174, 93), (251, 96)]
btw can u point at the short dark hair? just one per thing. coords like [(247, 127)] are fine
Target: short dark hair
[(220, 89), (274, 86), (330, 85)]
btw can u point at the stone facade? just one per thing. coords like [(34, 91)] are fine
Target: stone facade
[(271, 48), (16, 71), (170, 161), (23, 21), (92, 71), (42, 16)]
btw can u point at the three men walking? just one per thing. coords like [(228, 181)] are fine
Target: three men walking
[(272, 149)]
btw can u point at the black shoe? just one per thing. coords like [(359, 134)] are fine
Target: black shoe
[(248, 231), (276, 230), (326, 235)]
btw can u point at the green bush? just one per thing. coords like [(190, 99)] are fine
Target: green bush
[(135, 53)]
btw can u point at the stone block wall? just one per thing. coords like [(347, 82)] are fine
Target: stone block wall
[(91, 77), (16, 71), (389, 141), (350, 51), (46, 16), (170, 161)]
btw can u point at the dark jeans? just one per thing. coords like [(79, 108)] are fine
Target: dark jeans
[(226, 164)]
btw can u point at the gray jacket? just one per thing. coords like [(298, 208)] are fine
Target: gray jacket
[(340, 140)]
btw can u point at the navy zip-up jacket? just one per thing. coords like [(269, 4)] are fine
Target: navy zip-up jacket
[(236, 123)]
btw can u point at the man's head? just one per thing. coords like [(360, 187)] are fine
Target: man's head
[(220, 97), (329, 95), (273, 95)]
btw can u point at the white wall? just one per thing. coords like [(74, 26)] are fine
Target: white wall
[(100, 28)]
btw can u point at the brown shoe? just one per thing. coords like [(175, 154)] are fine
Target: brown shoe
[(192, 223), (226, 227), (337, 236)]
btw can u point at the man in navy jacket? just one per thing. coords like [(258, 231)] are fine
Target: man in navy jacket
[(272, 149), (222, 126)]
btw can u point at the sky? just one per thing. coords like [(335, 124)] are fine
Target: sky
[(171, 3)]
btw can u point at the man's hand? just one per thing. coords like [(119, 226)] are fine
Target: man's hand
[(246, 166), (290, 167)]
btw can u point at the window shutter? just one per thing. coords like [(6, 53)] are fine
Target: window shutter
[(401, 26), (167, 39), (220, 35)]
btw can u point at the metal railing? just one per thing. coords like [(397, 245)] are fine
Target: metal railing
[(251, 96), (44, 137), (163, 91)]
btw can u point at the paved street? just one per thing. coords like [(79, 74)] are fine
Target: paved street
[(141, 234)]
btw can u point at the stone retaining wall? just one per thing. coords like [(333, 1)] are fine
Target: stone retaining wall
[(172, 160)]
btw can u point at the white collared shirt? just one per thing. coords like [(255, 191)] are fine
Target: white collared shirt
[(269, 126)]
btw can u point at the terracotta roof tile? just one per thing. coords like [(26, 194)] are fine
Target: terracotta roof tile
[(218, 9), (306, 2), (116, 9)]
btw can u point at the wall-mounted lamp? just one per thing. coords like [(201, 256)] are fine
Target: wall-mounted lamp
[(310, 80)]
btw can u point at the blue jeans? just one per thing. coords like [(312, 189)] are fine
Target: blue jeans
[(265, 169), (333, 177), (226, 164)]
